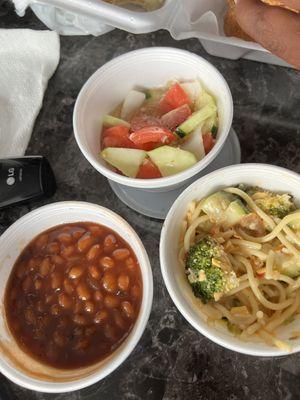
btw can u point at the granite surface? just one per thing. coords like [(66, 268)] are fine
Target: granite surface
[(172, 361)]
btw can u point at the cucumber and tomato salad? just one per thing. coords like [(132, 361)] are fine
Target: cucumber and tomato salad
[(160, 132)]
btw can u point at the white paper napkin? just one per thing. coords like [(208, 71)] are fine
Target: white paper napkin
[(27, 60)]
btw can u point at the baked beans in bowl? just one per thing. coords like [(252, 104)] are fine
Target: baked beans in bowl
[(76, 289)]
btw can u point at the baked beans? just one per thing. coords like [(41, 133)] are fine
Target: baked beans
[(73, 295)]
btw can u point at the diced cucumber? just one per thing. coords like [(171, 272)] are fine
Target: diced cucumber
[(214, 131), (171, 160), (194, 144), (211, 125), (155, 94), (126, 160), (234, 212), (132, 103), (216, 204), (193, 89), (224, 208), (204, 99), (195, 120), (109, 121)]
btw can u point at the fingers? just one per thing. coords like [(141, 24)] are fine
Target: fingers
[(276, 29)]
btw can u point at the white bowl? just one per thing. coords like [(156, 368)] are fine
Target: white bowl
[(266, 176), (14, 363), (146, 68)]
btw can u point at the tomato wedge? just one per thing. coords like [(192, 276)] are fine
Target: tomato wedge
[(152, 134), (174, 118), (141, 121), (116, 136), (208, 142), (148, 170), (174, 98)]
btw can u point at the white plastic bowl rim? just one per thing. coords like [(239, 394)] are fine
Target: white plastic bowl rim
[(260, 173), (67, 211), (176, 55)]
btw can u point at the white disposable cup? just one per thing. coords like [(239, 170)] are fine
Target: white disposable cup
[(14, 363), (265, 176), (146, 68)]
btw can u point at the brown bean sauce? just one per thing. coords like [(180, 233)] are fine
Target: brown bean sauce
[(73, 295)]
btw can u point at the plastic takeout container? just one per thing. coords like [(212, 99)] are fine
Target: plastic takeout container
[(184, 19), (17, 365), (146, 68), (266, 176)]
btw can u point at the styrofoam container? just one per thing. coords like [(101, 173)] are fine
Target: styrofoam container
[(146, 68), (265, 176), (184, 19), (20, 367)]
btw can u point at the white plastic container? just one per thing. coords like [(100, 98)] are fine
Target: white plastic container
[(146, 68), (266, 176), (14, 363), (202, 19)]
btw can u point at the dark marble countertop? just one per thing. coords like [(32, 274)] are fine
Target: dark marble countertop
[(172, 361)]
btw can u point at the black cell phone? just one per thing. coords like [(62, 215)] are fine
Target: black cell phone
[(25, 178)]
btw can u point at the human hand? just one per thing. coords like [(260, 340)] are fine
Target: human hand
[(276, 29)]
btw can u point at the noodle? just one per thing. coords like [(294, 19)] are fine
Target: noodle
[(269, 265), (286, 279), (242, 286), (258, 294), (190, 233), (295, 286), (252, 300), (288, 245), (273, 340), (285, 315), (253, 328), (290, 234), (252, 205), (246, 243), (262, 240), (286, 220), (270, 292), (226, 313), (247, 252), (265, 297), (197, 210)]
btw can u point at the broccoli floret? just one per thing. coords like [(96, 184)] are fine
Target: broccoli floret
[(207, 279), (275, 204)]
